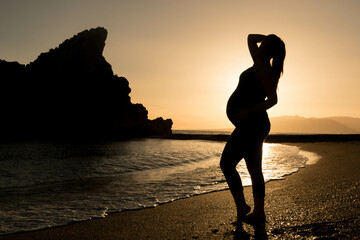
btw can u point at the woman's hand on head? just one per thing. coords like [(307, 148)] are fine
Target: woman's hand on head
[(253, 40), (256, 37)]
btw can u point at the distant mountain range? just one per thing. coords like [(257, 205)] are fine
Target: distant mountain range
[(302, 125)]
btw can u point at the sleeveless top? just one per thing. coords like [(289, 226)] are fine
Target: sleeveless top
[(248, 93)]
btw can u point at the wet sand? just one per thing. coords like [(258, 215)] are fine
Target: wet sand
[(320, 201)]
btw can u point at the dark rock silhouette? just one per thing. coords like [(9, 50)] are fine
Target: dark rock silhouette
[(71, 91)]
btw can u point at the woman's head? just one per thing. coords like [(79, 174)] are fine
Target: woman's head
[(274, 49)]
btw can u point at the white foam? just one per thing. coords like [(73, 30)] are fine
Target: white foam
[(312, 157)]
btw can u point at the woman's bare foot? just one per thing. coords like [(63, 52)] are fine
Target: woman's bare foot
[(242, 212), (255, 217)]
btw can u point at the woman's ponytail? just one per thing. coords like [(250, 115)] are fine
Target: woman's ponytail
[(278, 53)]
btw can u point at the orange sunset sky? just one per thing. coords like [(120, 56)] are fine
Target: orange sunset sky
[(183, 57)]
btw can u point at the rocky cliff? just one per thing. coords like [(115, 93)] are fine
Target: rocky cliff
[(71, 91)]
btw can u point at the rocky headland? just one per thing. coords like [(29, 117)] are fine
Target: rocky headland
[(71, 92)]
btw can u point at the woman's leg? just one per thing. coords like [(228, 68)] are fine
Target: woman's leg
[(231, 156), (253, 162)]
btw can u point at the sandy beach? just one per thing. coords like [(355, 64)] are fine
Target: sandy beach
[(320, 201)]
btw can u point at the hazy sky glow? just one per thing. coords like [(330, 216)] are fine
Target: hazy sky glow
[(183, 57)]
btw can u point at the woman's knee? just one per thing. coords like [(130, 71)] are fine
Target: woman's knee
[(226, 165), (223, 165)]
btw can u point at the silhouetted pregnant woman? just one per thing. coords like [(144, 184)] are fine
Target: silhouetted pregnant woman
[(246, 109)]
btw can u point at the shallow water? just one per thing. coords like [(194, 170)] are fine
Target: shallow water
[(50, 184)]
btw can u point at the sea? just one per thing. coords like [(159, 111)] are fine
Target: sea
[(47, 184)]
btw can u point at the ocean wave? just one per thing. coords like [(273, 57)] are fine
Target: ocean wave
[(44, 185)]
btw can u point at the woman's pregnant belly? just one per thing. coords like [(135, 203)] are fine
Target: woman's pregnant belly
[(235, 104), (237, 111)]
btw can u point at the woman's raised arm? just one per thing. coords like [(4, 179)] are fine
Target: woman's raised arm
[(253, 39)]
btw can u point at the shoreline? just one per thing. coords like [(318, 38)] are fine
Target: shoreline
[(312, 158), (294, 206), (222, 137), (221, 187), (274, 138)]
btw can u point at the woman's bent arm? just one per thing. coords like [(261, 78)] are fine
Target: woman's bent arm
[(253, 39), (270, 86)]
